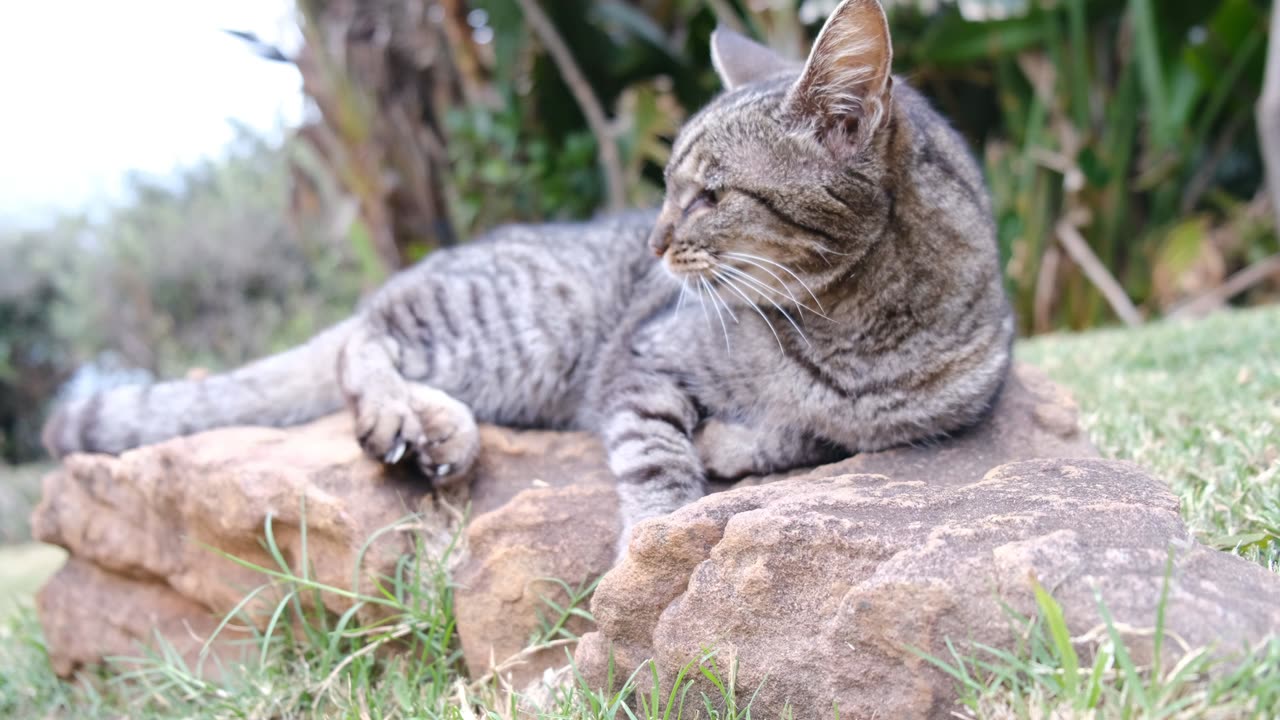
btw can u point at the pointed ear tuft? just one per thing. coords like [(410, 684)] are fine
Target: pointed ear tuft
[(739, 60), (846, 86)]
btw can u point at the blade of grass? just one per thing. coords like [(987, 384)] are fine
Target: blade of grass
[(1066, 652)]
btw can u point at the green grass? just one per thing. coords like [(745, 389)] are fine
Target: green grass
[(1197, 404), (19, 492), (23, 569), (1043, 677)]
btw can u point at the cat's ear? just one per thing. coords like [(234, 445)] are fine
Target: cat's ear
[(845, 88), (739, 60)]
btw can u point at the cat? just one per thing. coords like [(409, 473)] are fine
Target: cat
[(821, 279)]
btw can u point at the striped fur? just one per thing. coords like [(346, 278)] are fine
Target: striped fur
[(828, 283)]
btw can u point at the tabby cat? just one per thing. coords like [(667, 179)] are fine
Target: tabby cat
[(826, 282)]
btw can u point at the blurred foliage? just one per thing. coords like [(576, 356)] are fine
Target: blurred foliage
[(34, 358), (1127, 123), (203, 270), (497, 173), (1131, 122)]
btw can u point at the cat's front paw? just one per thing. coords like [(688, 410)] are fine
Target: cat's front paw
[(419, 424)]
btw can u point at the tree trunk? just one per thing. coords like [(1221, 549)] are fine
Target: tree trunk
[(382, 73)]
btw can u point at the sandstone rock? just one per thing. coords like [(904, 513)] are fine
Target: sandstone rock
[(156, 513), (498, 595), (514, 461), (515, 554), (542, 506), (821, 587), (89, 614), (151, 525)]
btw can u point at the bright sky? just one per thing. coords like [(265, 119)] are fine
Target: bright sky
[(91, 89)]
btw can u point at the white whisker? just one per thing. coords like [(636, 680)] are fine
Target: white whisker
[(787, 315), (828, 251), (785, 269), (703, 304), (712, 287), (822, 253), (684, 289), (728, 282), (723, 327), (781, 283), (758, 285)]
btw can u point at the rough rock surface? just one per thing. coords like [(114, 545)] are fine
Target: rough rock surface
[(541, 503), (90, 614), (566, 533), (144, 526), (825, 585)]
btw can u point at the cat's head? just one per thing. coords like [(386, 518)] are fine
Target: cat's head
[(772, 176)]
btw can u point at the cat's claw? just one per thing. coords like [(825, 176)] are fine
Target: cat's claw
[(421, 424), (396, 453)]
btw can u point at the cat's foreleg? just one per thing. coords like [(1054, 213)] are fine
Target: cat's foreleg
[(647, 433), (398, 418)]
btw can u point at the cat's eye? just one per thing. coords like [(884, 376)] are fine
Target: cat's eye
[(705, 199)]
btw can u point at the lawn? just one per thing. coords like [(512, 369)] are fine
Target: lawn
[(1198, 404)]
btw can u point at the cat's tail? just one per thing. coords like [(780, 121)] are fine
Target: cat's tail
[(293, 387)]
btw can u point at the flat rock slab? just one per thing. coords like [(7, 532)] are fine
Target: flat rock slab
[(822, 589), (568, 533), (155, 524)]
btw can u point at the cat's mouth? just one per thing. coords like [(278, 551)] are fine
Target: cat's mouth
[(741, 279), (688, 266)]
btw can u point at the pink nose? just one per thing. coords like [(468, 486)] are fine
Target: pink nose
[(660, 239)]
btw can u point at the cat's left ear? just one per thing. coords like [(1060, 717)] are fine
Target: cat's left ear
[(845, 89), (739, 60)]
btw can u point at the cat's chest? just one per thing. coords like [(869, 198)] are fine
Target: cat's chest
[(733, 365)]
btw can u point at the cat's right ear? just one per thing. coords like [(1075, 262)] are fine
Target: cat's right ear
[(739, 60), (845, 89)]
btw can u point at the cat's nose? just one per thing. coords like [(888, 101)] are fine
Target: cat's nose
[(660, 238)]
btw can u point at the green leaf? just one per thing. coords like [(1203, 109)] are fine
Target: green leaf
[(1146, 33), (1182, 246), (953, 40)]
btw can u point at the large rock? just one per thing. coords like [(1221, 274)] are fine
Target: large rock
[(515, 557), (567, 533), (542, 506), (90, 613), (151, 530), (545, 510), (822, 589)]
